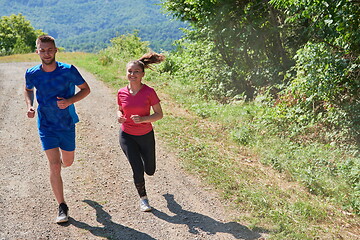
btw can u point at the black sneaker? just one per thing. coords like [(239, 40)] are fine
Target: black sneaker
[(63, 213)]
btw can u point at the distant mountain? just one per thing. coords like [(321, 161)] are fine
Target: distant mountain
[(88, 25)]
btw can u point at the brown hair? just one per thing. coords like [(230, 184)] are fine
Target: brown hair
[(147, 59), (44, 39)]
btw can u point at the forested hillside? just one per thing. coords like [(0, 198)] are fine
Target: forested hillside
[(88, 25)]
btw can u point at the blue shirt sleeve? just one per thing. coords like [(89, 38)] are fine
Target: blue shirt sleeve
[(28, 82), (78, 79)]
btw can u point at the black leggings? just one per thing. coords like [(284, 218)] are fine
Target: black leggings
[(140, 151)]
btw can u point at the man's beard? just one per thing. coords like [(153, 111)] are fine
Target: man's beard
[(48, 62)]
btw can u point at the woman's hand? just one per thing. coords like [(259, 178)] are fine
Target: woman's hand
[(121, 119), (136, 118), (120, 115)]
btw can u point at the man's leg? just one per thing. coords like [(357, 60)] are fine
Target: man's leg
[(54, 158), (58, 158)]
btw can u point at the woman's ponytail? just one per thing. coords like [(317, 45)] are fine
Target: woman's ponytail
[(148, 59)]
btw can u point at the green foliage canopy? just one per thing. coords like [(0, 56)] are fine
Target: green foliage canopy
[(258, 39), (305, 54), (246, 34), (17, 35), (335, 23)]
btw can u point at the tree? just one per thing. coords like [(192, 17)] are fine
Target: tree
[(17, 35), (335, 23), (247, 35)]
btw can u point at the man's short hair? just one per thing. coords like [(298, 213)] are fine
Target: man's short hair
[(44, 39)]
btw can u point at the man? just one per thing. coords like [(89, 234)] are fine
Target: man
[(55, 93)]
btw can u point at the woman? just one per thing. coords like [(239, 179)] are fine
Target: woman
[(136, 134)]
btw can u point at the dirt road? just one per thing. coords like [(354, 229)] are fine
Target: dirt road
[(98, 187)]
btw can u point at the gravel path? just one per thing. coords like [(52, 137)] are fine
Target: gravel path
[(98, 187)]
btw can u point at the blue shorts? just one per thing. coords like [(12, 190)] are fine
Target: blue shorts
[(65, 140)]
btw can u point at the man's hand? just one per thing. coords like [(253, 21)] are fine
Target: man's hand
[(31, 112), (63, 103)]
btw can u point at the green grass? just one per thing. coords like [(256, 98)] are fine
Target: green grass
[(290, 190)]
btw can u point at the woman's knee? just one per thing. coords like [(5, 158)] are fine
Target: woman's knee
[(150, 171)]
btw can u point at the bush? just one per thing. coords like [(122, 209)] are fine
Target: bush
[(124, 48), (196, 64), (322, 94)]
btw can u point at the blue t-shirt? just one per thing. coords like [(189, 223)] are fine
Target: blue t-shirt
[(50, 85)]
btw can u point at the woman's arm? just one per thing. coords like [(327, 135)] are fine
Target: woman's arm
[(120, 115), (157, 115)]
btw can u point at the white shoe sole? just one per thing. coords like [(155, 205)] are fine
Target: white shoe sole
[(62, 219), (146, 209)]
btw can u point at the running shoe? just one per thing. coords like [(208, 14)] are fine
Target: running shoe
[(144, 205), (63, 213)]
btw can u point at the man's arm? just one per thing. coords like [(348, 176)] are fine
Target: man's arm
[(29, 100), (84, 91)]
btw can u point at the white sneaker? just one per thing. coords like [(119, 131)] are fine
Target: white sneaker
[(63, 213), (144, 205)]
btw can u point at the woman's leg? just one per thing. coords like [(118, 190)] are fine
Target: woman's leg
[(147, 149), (132, 152)]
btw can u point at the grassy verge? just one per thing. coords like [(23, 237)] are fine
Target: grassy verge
[(294, 191), (276, 186)]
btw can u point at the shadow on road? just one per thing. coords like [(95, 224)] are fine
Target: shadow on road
[(197, 222), (110, 230)]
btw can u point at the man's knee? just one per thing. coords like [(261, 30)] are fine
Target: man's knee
[(67, 158)]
